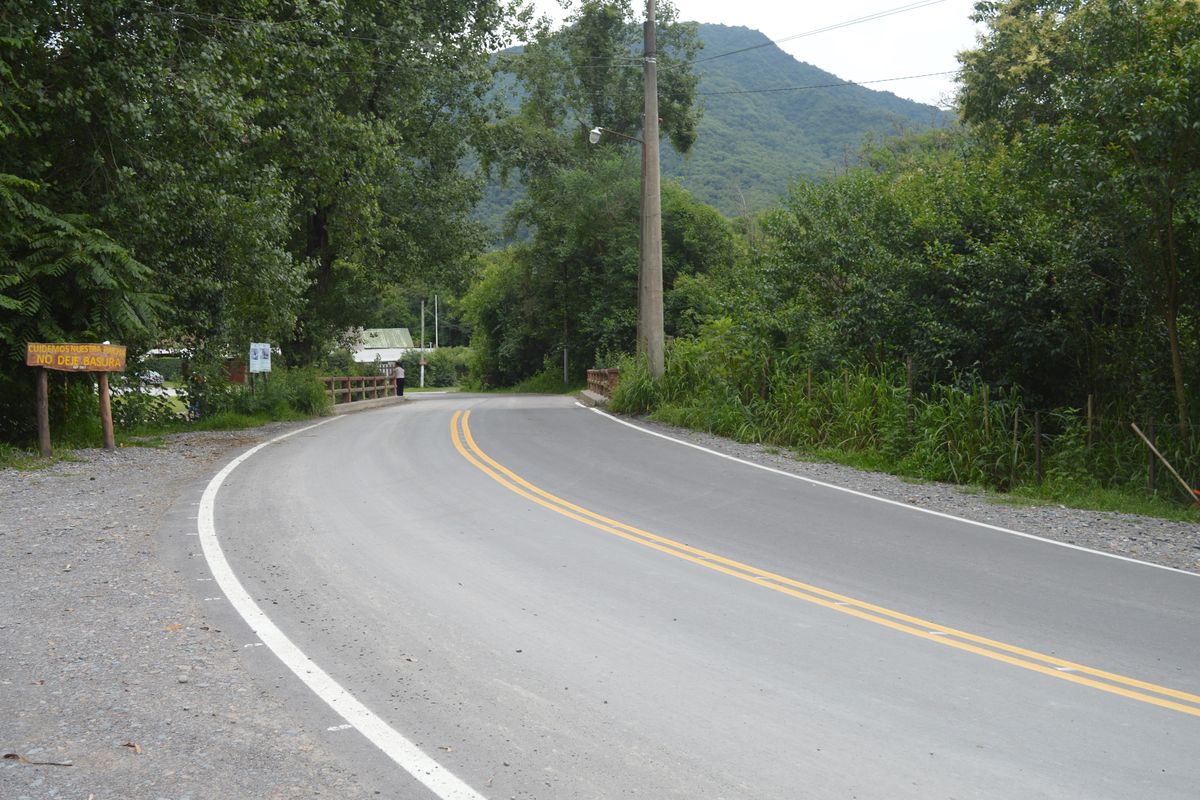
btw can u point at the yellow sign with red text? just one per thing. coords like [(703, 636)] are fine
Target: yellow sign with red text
[(74, 357)]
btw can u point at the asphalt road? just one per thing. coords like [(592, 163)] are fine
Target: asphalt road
[(551, 604)]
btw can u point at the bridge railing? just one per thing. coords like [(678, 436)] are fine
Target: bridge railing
[(603, 381), (348, 388)]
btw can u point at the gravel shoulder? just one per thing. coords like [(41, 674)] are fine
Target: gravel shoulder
[(110, 663)]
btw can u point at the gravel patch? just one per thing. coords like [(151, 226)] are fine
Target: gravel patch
[(108, 661), (1158, 541)]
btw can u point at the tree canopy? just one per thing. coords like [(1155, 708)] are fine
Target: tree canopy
[(1100, 101), (263, 169)]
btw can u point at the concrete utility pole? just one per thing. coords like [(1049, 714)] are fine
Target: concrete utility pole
[(650, 289)]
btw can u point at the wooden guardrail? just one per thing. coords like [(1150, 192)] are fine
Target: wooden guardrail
[(603, 381), (348, 388)]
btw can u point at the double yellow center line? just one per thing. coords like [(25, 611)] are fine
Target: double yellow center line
[(1162, 696)]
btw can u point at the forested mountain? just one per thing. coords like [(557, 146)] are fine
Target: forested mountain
[(752, 142)]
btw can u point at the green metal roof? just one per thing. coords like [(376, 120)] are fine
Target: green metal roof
[(378, 338)]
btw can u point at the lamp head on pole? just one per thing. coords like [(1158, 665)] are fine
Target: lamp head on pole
[(594, 135)]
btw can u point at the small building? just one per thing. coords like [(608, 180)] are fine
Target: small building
[(387, 345)]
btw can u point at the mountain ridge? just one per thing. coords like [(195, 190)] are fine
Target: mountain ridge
[(759, 131), (768, 119)]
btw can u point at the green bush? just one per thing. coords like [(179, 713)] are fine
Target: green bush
[(636, 393), (280, 394), (727, 382), (447, 366), (548, 381)]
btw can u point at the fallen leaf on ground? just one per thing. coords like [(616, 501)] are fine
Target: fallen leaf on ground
[(174, 626), (134, 746)]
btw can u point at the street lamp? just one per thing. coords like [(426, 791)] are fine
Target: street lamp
[(650, 336), (595, 133)]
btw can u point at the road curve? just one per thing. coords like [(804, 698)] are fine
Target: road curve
[(549, 604)]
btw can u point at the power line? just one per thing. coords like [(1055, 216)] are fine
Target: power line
[(826, 85), (914, 6), (835, 26)]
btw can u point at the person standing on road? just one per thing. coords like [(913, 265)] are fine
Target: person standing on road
[(398, 374)]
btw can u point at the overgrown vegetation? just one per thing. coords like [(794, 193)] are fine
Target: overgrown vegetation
[(961, 433), (1029, 264)]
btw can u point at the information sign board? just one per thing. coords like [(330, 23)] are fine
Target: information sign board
[(260, 357), (76, 357)]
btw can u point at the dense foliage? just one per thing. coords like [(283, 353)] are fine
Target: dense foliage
[(574, 284), (1031, 264), (570, 289), (1100, 103), (262, 168)]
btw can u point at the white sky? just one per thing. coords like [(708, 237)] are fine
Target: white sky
[(915, 42)]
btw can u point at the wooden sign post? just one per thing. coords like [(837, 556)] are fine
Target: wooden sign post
[(100, 358)]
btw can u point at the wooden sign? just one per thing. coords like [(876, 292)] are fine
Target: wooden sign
[(73, 357)]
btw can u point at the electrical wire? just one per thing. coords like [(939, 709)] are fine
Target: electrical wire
[(826, 85), (835, 26)]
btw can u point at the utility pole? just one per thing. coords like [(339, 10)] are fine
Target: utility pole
[(421, 357), (435, 322), (650, 290)]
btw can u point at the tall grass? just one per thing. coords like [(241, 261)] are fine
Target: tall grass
[(964, 432)]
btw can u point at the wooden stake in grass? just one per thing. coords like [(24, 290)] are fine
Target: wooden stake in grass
[(1153, 465), (987, 413), (1191, 493), (1037, 444), (1012, 480), (1091, 416), (908, 394), (43, 412), (106, 420)]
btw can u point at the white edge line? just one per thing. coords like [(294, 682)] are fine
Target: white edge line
[(403, 752), (890, 502)]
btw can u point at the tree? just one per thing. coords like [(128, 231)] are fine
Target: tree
[(1101, 100), (273, 164), (61, 279), (574, 285), (931, 249), (576, 276)]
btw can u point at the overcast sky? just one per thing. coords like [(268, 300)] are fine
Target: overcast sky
[(915, 42)]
